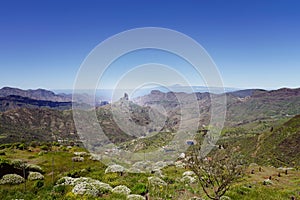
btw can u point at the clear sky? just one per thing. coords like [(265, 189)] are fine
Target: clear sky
[(255, 44)]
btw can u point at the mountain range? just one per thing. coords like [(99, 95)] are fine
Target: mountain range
[(41, 115)]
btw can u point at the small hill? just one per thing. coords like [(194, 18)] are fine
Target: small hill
[(35, 124), (281, 146)]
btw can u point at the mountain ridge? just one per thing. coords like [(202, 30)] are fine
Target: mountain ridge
[(37, 94)]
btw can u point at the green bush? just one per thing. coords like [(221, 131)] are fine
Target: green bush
[(38, 184), (21, 146), (44, 147), (139, 188), (77, 173), (34, 144), (3, 161), (61, 189)]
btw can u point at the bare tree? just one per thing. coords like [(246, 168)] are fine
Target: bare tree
[(217, 172)]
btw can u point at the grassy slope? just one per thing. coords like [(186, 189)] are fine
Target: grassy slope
[(283, 187)]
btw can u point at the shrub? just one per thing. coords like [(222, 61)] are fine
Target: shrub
[(121, 189), (19, 164), (179, 164), (44, 147), (55, 144), (188, 173), (38, 184), (135, 197), (33, 144), (59, 189), (94, 188), (35, 176), (169, 180), (34, 168), (85, 189), (3, 161), (85, 185), (114, 169), (77, 173), (77, 159), (188, 179), (156, 181), (12, 179), (139, 188), (21, 146), (81, 153)]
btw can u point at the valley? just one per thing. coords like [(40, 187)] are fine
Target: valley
[(39, 129)]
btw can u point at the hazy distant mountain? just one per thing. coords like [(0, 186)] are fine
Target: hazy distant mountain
[(242, 106), (39, 94), (116, 94)]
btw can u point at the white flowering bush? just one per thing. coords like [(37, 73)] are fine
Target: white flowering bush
[(18, 163), (155, 181), (140, 166), (188, 173), (82, 153), (158, 173), (85, 189), (159, 165), (114, 169), (121, 189), (179, 164), (65, 181), (35, 176), (135, 197), (77, 159), (188, 179), (84, 185), (35, 168), (12, 179), (135, 170)]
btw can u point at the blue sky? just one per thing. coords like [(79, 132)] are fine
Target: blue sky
[(255, 44)]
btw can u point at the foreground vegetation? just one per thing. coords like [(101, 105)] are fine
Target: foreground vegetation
[(56, 162)]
